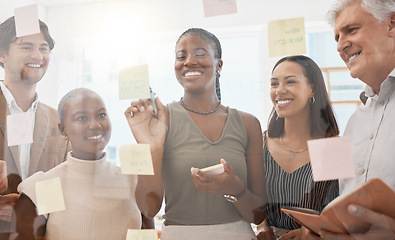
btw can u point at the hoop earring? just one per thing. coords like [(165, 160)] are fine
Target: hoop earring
[(312, 100)]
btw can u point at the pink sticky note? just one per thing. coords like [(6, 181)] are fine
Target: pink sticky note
[(219, 7), (26, 20), (19, 129), (331, 158)]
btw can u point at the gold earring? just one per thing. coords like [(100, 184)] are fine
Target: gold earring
[(65, 137), (312, 100)]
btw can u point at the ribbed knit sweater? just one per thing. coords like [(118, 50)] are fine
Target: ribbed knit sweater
[(99, 200)]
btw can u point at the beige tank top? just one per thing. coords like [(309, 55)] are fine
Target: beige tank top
[(187, 147)]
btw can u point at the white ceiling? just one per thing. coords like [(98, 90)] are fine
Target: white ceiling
[(159, 15), (55, 3)]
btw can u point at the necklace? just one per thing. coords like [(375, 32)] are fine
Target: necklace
[(203, 113), (290, 150)]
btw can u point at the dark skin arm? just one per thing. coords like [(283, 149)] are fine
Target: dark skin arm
[(27, 221), (147, 222), (149, 130)]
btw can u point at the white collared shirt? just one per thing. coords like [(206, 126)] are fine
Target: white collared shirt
[(24, 149), (371, 132)]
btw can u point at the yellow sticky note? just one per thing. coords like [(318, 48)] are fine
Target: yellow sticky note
[(134, 83), (49, 196), (136, 159), (286, 37), (142, 234)]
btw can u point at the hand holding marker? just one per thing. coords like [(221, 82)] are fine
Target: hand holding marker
[(152, 98)]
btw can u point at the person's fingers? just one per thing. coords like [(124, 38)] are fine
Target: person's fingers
[(144, 104), (195, 172), (3, 176), (372, 217), (364, 213), (159, 104), (227, 167), (9, 198), (134, 107), (308, 235), (201, 175), (329, 235)]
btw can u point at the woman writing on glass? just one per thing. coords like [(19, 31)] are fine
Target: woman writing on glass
[(194, 133)]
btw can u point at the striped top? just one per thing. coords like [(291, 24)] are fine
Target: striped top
[(296, 189)]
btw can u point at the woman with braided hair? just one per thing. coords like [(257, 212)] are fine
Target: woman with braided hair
[(194, 133)]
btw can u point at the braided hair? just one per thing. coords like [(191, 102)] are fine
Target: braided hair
[(211, 38)]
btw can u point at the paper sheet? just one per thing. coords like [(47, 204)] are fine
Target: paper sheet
[(19, 129), (49, 196), (134, 83), (26, 20), (219, 7), (331, 158), (136, 159), (286, 37), (143, 234)]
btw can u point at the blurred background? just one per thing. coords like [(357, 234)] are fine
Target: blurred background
[(97, 38)]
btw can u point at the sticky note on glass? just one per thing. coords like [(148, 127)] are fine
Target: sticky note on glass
[(142, 234), (136, 159), (219, 7), (26, 20), (134, 83), (331, 158), (19, 128), (286, 37), (49, 196)]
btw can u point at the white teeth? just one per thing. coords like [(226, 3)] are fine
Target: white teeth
[(282, 102), (95, 137), (352, 57), (193, 74), (34, 65)]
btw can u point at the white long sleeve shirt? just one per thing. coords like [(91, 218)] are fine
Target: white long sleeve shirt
[(24, 149), (372, 135)]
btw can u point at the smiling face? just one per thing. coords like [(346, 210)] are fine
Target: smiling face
[(365, 44), (87, 125), (290, 91), (27, 60), (195, 65)]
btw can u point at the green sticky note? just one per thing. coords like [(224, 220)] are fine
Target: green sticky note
[(136, 159), (134, 83), (286, 37)]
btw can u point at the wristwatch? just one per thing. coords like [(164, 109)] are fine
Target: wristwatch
[(235, 198)]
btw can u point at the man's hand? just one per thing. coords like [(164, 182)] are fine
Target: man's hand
[(3, 176), (7, 203), (383, 226)]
